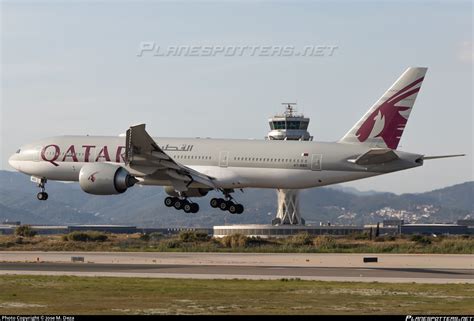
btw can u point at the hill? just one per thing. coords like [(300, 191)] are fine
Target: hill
[(143, 206)]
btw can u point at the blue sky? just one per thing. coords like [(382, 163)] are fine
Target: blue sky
[(73, 69)]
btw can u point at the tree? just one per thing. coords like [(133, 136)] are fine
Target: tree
[(25, 231)]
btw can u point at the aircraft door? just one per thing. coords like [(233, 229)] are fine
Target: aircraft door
[(316, 162), (223, 159)]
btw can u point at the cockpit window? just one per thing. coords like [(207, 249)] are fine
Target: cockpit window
[(18, 151)]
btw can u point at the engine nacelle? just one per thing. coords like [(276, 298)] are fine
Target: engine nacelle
[(192, 192), (105, 179)]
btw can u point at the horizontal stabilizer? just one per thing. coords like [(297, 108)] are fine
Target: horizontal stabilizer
[(442, 156), (375, 156)]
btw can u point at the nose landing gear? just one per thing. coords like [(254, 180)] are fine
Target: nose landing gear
[(42, 196)]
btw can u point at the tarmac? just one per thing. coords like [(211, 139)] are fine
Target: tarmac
[(395, 268)]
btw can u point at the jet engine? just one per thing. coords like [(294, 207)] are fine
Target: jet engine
[(192, 192), (105, 179)]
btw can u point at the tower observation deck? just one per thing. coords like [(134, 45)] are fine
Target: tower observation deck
[(288, 126)]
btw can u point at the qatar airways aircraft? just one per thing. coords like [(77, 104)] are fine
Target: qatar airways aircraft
[(191, 167)]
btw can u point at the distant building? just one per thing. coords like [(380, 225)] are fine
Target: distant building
[(437, 229), (175, 230), (118, 229), (284, 230), (466, 222), (394, 222), (9, 229), (258, 229), (7, 222)]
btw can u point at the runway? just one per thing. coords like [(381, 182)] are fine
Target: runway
[(333, 260), (391, 275)]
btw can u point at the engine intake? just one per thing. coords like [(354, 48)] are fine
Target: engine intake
[(105, 179)]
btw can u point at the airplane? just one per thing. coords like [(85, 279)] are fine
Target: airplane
[(191, 167)]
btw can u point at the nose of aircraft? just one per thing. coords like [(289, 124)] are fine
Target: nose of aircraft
[(13, 161)]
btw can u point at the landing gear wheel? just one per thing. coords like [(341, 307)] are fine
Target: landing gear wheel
[(42, 196), (179, 204), (233, 208), (194, 208), (169, 201), (223, 205), (215, 202), (240, 208), (187, 207)]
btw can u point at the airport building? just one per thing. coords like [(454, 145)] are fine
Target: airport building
[(286, 230), (469, 223), (9, 229), (435, 229), (258, 230)]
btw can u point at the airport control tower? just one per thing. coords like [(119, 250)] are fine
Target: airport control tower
[(288, 126)]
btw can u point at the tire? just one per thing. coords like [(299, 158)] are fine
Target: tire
[(194, 208), (233, 209), (45, 196), (240, 208), (40, 196), (223, 205), (214, 203), (169, 201), (178, 204), (187, 207)]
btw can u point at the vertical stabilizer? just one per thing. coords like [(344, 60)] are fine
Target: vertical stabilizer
[(382, 126)]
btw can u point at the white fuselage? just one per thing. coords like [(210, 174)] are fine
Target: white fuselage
[(233, 163)]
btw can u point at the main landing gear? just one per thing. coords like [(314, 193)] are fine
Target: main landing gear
[(182, 204), (42, 196), (227, 204)]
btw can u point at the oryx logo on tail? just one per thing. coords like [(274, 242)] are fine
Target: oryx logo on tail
[(389, 120), (383, 124)]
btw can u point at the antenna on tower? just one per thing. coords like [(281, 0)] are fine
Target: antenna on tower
[(290, 109)]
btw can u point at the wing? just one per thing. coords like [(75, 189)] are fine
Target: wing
[(375, 156), (144, 155)]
